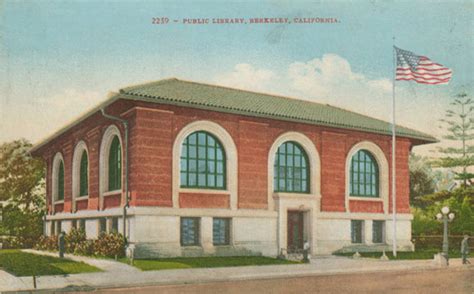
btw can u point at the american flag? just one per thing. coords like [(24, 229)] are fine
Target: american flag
[(420, 69)]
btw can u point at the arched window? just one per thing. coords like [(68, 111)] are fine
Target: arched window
[(364, 175), (291, 169), (83, 175), (115, 165), (202, 162), (60, 181)]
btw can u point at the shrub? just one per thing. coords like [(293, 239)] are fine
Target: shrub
[(12, 243), (110, 245), (436, 242), (85, 247), (74, 239), (47, 243)]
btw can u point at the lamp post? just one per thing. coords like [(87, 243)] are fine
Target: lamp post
[(445, 217)]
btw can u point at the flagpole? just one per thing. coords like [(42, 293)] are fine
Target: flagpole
[(394, 144)]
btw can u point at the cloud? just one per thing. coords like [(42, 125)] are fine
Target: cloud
[(45, 115), (331, 78), (245, 76)]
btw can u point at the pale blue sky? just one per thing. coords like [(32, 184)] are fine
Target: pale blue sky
[(59, 58)]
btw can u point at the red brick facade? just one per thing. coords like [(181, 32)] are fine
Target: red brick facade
[(153, 129)]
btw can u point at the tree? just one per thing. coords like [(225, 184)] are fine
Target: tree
[(422, 180), (20, 174), (460, 128), (22, 187)]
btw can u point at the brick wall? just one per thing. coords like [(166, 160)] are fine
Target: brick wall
[(153, 129)]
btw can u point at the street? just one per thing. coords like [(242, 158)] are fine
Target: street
[(457, 280)]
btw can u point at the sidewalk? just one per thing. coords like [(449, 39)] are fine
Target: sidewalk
[(117, 274)]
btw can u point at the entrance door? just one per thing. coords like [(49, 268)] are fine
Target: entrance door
[(295, 231)]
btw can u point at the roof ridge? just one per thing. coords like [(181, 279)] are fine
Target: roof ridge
[(250, 91), (285, 97), (162, 81)]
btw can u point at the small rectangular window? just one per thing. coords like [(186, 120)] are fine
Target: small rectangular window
[(59, 228), (356, 231), (102, 225), (190, 231), (74, 224), (221, 231), (53, 228), (82, 224), (378, 231), (113, 225)]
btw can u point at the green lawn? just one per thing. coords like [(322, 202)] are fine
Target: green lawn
[(23, 264), (197, 262), (422, 254)]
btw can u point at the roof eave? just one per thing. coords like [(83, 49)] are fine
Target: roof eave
[(426, 139), (112, 98)]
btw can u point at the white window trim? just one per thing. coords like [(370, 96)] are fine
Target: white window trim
[(382, 163), (105, 144), (58, 158), (314, 165), (76, 166), (231, 160)]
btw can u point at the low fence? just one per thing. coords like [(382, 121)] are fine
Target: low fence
[(436, 242)]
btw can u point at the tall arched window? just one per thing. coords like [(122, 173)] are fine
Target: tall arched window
[(364, 175), (291, 169), (83, 175), (115, 165), (202, 162), (60, 181)]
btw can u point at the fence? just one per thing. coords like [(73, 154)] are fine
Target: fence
[(436, 242)]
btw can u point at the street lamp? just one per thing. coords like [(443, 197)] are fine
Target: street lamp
[(445, 217)]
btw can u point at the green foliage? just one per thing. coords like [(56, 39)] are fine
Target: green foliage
[(27, 264), (47, 243), (107, 245), (21, 175), (22, 186), (73, 239), (460, 202), (12, 243), (25, 225), (434, 242), (110, 245), (422, 179), (85, 248), (424, 223), (460, 128)]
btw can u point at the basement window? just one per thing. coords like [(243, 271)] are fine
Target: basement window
[(357, 231)]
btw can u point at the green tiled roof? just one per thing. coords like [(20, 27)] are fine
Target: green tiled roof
[(228, 100)]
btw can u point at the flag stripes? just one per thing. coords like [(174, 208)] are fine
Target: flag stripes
[(412, 67)]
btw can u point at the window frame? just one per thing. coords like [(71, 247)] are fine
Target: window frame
[(82, 224), (114, 164), (374, 172), (354, 239), (60, 182), (382, 231), (114, 224), (197, 229), (102, 225), (276, 169), (197, 158), (84, 175), (227, 231)]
